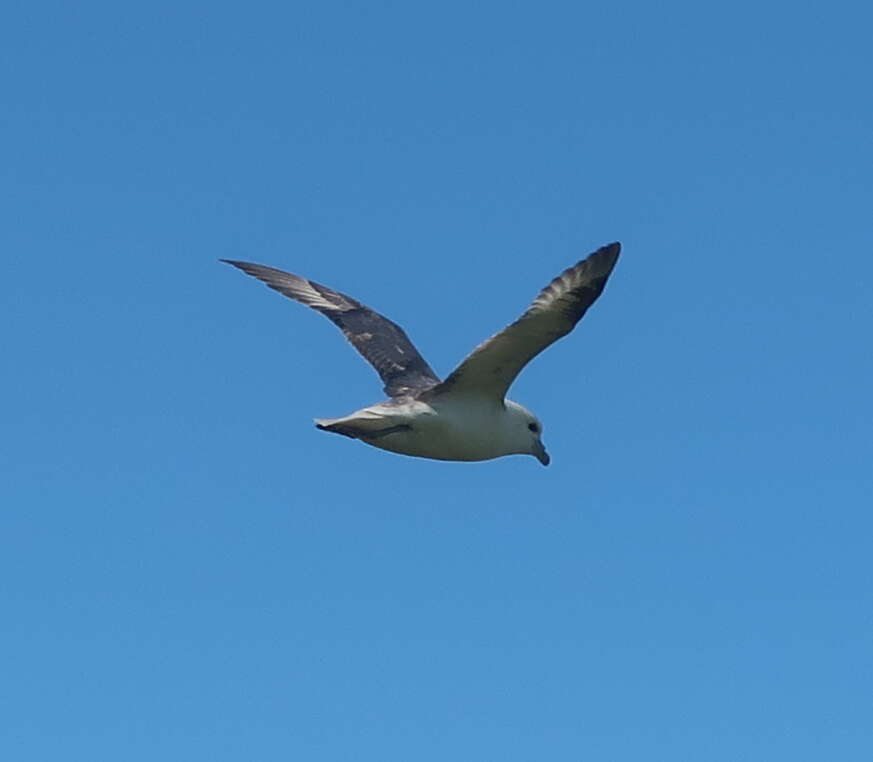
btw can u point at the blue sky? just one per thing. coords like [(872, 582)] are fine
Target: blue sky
[(192, 571)]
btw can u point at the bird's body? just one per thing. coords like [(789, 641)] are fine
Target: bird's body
[(460, 429), (467, 417)]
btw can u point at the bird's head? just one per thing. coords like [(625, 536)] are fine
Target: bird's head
[(527, 431)]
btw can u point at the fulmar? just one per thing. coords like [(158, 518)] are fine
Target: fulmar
[(466, 417)]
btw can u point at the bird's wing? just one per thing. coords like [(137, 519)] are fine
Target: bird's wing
[(491, 368), (382, 343)]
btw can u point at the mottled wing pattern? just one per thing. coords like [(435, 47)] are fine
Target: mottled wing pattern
[(492, 367), (383, 343)]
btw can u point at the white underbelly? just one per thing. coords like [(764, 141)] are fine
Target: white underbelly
[(469, 434)]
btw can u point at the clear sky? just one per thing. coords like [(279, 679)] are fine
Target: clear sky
[(191, 571)]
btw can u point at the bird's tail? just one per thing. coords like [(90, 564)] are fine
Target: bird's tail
[(365, 424), (339, 426)]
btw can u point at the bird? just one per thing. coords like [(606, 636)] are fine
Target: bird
[(467, 416)]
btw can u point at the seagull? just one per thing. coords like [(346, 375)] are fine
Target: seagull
[(466, 417)]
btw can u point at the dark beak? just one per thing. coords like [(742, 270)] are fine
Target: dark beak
[(540, 454)]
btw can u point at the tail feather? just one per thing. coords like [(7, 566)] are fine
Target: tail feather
[(338, 427), (359, 429)]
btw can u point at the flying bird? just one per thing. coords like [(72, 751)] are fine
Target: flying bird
[(466, 417)]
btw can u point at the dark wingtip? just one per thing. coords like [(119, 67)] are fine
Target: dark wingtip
[(605, 255), (612, 249), (250, 268)]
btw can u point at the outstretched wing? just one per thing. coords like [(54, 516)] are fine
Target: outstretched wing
[(382, 343), (492, 367)]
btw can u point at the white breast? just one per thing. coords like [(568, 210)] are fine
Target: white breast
[(451, 429)]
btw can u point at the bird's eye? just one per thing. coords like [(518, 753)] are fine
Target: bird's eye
[(533, 427)]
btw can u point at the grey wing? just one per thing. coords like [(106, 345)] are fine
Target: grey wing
[(383, 344), (492, 367)]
